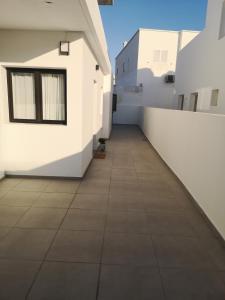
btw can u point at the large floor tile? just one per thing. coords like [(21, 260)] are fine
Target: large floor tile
[(130, 283), (9, 216), (215, 249), (91, 201), (47, 218), (94, 186), (150, 176), (132, 202), (163, 223), (77, 246), (125, 161), (123, 174), (127, 222), (65, 281), (16, 278), (79, 219), (98, 173), (3, 192), (192, 285), (199, 224), (128, 187), (54, 200), (181, 252), (163, 201), (63, 186), (102, 163), (26, 244), (9, 183), (4, 231), (128, 249), (16, 198), (155, 187), (31, 185)]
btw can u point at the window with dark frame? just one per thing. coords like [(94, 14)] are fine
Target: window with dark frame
[(37, 95)]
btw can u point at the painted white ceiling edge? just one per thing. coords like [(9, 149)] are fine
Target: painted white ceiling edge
[(97, 35), (62, 15)]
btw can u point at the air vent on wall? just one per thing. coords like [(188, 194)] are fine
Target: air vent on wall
[(105, 2), (169, 78)]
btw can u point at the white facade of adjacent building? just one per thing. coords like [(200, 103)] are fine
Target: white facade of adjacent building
[(141, 68), (201, 66), (53, 107)]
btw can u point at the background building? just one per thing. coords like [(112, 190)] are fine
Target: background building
[(141, 70), (201, 68)]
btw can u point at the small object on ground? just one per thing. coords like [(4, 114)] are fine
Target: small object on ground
[(102, 145), (100, 152)]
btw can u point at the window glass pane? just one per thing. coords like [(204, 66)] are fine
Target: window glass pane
[(23, 89), (214, 97), (156, 56), (53, 97), (164, 56)]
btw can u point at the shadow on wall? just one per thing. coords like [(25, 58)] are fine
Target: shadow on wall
[(156, 93), (22, 46), (107, 114), (96, 138), (73, 166)]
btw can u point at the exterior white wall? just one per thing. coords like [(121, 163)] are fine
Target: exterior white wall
[(107, 106), (41, 149), (185, 37), (193, 146), (127, 63), (1, 161), (201, 64), (156, 92), (141, 68), (92, 105)]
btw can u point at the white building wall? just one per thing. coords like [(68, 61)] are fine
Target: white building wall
[(127, 62), (92, 105), (193, 146), (41, 149), (107, 106), (128, 102), (151, 72), (201, 64), (148, 57), (1, 161)]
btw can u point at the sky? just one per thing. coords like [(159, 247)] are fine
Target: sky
[(124, 18)]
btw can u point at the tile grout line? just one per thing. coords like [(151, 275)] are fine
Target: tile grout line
[(47, 251), (158, 267), (103, 242)]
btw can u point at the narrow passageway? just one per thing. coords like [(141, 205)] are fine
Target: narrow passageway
[(127, 231)]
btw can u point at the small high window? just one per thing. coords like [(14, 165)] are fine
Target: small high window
[(37, 95), (156, 56), (160, 56), (164, 56), (222, 22), (123, 67), (214, 97)]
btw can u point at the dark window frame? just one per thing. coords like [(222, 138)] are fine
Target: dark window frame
[(38, 95), (181, 99)]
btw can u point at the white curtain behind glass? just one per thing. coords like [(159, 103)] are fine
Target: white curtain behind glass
[(53, 97), (23, 96)]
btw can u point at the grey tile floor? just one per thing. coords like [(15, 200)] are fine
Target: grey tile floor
[(127, 231)]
